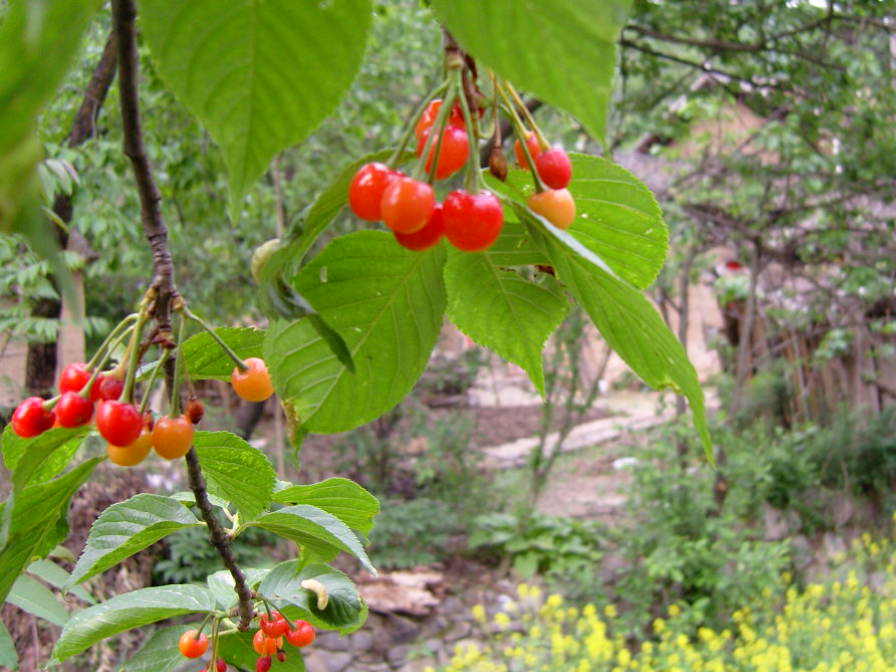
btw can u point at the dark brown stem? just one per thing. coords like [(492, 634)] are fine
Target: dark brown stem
[(164, 291), (220, 541)]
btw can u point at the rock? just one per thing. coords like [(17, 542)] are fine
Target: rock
[(398, 655), (402, 592), (402, 630), (316, 661), (361, 641), (331, 641), (337, 662), (778, 523), (457, 631), (802, 552), (842, 509)]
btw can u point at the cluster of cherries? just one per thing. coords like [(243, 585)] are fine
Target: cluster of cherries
[(470, 221), (267, 642), (130, 434)]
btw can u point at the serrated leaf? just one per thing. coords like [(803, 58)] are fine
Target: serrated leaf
[(159, 652), (35, 520), (321, 533), (189, 498), (236, 648), (9, 659), (572, 65), (503, 310), (617, 216), (343, 498), (32, 460), (632, 327), (345, 611), (260, 76), (130, 610), (514, 247), (127, 527), (386, 302), (57, 577), (207, 361), (235, 471), (34, 597)]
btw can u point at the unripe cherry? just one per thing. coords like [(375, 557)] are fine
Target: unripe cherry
[(555, 205)]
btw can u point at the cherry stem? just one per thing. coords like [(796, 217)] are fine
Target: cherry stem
[(409, 126), (112, 334), (178, 368), (127, 392), (205, 621), (440, 123), (520, 132), (88, 386), (152, 379), (472, 179), (240, 364), (527, 115), (216, 627)]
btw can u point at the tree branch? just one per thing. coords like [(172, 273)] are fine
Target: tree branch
[(124, 14)]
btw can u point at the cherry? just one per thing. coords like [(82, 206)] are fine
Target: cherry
[(192, 645), (195, 411), (106, 388), (452, 154), (30, 419), (172, 437), (274, 625), (133, 454), (301, 635), (472, 221), (281, 656), (220, 665), (534, 149), (555, 205), (264, 645), (73, 410), (119, 423), (554, 168), (407, 205), (426, 237), (253, 384), (428, 118), (74, 377), (263, 664), (365, 193)]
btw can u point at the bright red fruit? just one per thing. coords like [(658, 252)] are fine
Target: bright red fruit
[(453, 153), (554, 168), (428, 118), (30, 419), (407, 205), (119, 423), (427, 236), (220, 665), (73, 410), (192, 646), (472, 221), (365, 193), (74, 377), (555, 205), (263, 664), (301, 635), (274, 625), (106, 388), (534, 149), (264, 645)]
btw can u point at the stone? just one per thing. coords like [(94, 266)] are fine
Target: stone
[(316, 661), (398, 655), (361, 641), (457, 631), (842, 509), (402, 630), (778, 524), (337, 661), (331, 641)]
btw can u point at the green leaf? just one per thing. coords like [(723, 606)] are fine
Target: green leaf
[(159, 652), (343, 498), (35, 598), (260, 76), (235, 471), (130, 610), (128, 527), (504, 311), (207, 361), (36, 520), (221, 584), (9, 659), (514, 247), (562, 52), (236, 648), (617, 216), (58, 578), (345, 611), (386, 302), (632, 327), (33, 460), (321, 533)]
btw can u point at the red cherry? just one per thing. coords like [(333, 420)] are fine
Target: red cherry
[(263, 664), (191, 645), (30, 419), (453, 153), (220, 665), (281, 656), (74, 377), (407, 205), (73, 410), (427, 236), (264, 645), (301, 635), (195, 410), (472, 221), (119, 423), (554, 168), (365, 193), (555, 205), (106, 388), (274, 625), (534, 149), (428, 118)]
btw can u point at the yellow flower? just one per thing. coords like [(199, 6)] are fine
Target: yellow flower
[(478, 612), (610, 611), (674, 610)]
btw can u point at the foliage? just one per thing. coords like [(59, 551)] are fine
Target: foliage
[(843, 622), (413, 532)]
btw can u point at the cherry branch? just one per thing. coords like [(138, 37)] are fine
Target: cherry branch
[(162, 288)]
